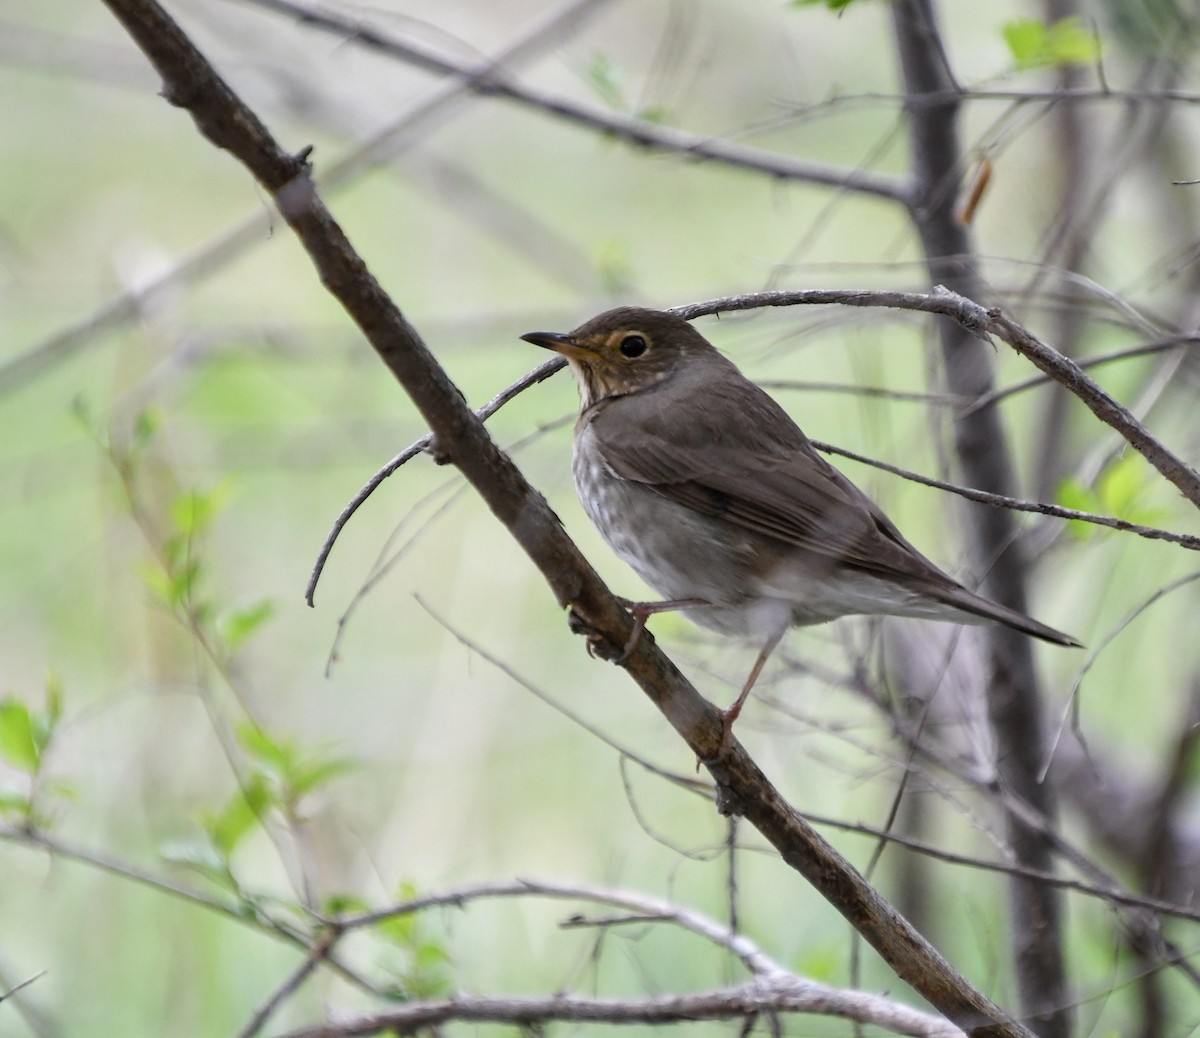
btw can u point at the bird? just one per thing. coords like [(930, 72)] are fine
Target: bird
[(698, 479)]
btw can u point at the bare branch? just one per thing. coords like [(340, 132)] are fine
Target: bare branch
[(317, 954), (982, 449), (779, 993), (1184, 540), (981, 321), (638, 132)]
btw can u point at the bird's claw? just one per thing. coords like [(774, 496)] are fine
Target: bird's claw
[(597, 645)]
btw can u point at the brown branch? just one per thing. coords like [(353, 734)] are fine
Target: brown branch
[(981, 322), (1145, 349), (632, 130), (1151, 533), (982, 450), (223, 119), (1069, 374), (317, 954), (778, 994)]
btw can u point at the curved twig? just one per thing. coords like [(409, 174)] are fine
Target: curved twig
[(539, 374)]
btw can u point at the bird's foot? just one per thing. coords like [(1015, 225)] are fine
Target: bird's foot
[(728, 716), (597, 645), (642, 611)]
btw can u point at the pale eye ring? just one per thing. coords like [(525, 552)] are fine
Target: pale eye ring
[(633, 345)]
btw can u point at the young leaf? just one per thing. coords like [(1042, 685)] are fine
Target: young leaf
[(1074, 494), (312, 774), (603, 75), (262, 747), (833, 5), (54, 699), (145, 425), (240, 813), (18, 744), (1035, 44), (238, 624), (344, 904), (201, 857), (194, 510), (15, 804)]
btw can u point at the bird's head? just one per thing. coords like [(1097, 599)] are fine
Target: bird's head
[(625, 350)]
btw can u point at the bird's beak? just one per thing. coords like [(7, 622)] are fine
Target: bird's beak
[(557, 341)]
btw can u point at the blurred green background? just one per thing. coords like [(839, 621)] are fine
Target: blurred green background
[(187, 462)]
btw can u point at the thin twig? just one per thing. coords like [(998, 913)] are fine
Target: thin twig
[(24, 984), (1070, 705), (633, 130), (259, 920), (1153, 533), (316, 955), (539, 374)]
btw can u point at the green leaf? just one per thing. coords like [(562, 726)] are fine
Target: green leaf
[(296, 771), (201, 857), (401, 930), (60, 790), (1074, 494), (312, 774), (431, 954), (1121, 484), (604, 76), (241, 813), (18, 744), (1026, 39), (54, 699), (238, 624), (614, 267), (15, 804), (193, 511), (653, 114), (345, 904), (1035, 44), (820, 963), (145, 426), (175, 584), (276, 754), (833, 5)]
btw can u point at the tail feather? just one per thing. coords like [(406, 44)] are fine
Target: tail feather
[(977, 606)]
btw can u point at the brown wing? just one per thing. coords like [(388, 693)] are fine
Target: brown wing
[(736, 454)]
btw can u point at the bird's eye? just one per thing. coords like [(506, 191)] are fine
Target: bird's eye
[(633, 345)]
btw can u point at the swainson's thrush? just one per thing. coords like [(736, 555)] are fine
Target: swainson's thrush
[(704, 485)]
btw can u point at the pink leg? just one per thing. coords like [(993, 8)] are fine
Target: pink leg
[(730, 714), (642, 611)]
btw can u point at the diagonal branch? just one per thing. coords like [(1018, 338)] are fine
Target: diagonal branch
[(189, 81), (632, 130)]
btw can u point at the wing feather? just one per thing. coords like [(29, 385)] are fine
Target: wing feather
[(760, 473)]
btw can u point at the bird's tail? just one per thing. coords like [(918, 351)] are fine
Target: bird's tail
[(977, 606)]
